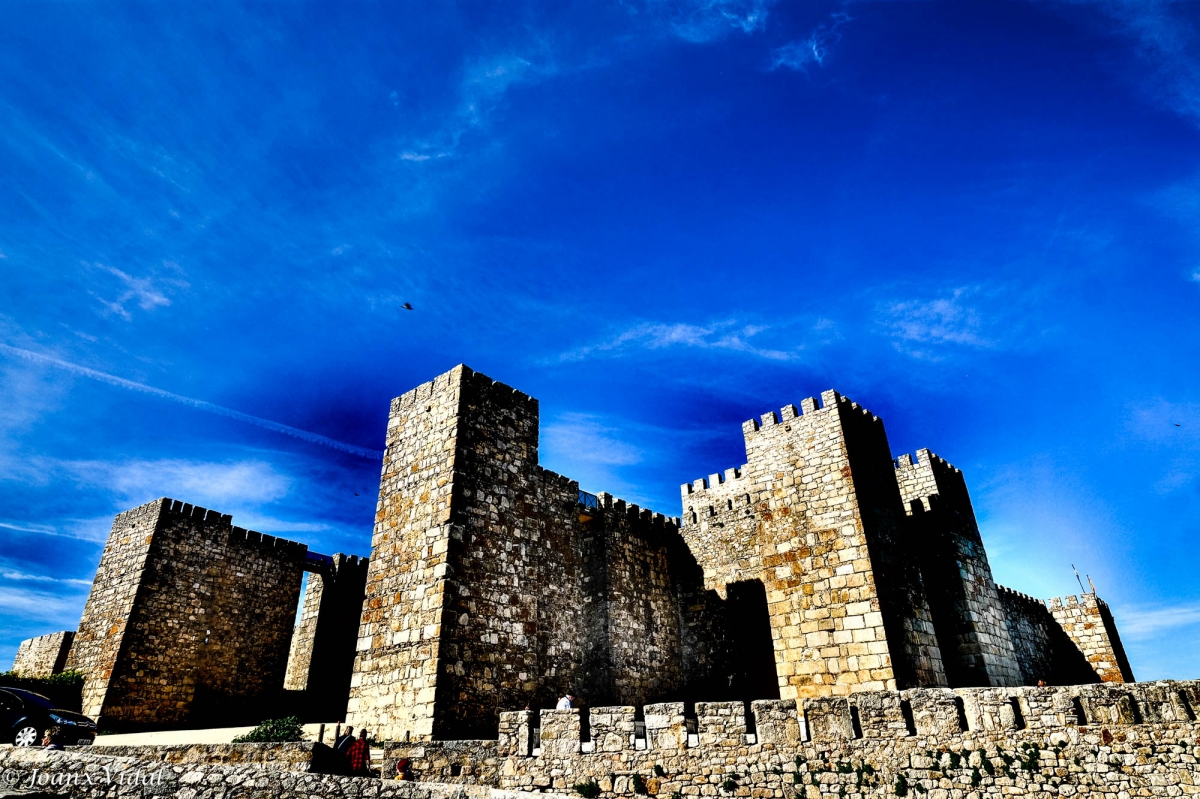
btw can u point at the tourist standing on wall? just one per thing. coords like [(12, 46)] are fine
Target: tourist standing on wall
[(343, 743), (358, 756)]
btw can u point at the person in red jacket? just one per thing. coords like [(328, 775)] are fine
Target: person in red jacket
[(358, 756)]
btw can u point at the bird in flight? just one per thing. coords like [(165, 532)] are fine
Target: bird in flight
[(407, 306), (1177, 424)]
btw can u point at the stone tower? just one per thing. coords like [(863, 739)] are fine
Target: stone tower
[(815, 515), (494, 583), (970, 621), (186, 612)]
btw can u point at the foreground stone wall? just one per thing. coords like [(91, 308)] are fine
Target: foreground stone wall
[(1093, 740), (43, 656), (83, 774), (186, 612), (304, 756)]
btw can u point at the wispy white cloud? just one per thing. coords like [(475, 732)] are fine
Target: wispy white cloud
[(813, 49), (1146, 622), (729, 336), (60, 610), (217, 485), (120, 382), (702, 21), (142, 290), (484, 85), (1196, 276), (94, 530), (10, 574), (926, 327), (585, 438), (1168, 40)]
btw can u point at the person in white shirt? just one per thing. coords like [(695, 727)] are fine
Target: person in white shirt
[(566, 703)]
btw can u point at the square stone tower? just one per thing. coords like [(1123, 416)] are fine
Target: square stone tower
[(494, 583), (816, 516), (186, 612), (471, 605), (971, 624)]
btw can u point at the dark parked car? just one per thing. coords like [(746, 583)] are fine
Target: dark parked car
[(25, 717)]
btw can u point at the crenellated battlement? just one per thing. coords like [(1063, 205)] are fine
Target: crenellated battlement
[(217, 522), (577, 743), (1005, 591), (462, 375), (649, 518), (733, 479)]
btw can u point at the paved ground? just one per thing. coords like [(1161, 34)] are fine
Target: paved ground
[(221, 735)]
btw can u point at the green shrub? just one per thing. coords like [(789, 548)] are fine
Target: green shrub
[(659, 771), (639, 785), (273, 731), (729, 786), (901, 786), (588, 790)]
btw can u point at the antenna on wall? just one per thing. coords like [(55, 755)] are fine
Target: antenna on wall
[(1093, 585), (1078, 579)]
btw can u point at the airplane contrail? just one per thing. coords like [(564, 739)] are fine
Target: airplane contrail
[(266, 424)]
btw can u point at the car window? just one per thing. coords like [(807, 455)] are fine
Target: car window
[(8, 701)]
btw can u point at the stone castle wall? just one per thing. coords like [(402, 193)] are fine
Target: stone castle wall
[(1043, 649), (972, 632), (492, 584), (301, 650), (821, 567), (1095, 740), (1089, 624), (187, 611), (815, 515), (43, 656)]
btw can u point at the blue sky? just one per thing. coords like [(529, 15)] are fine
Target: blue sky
[(660, 218)]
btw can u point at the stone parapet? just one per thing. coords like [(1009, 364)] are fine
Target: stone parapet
[(858, 749)]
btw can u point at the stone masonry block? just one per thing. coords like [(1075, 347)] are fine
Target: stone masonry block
[(514, 739), (560, 732), (721, 723), (776, 722), (665, 726), (880, 714), (612, 728), (828, 719), (1103, 704), (936, 712)]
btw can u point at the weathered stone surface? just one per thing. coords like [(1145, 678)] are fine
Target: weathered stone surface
[(1089, 623), (819, 568), (294, 756), (815, 516), (185, 606), (1038, 756), (963, 598), (43, 656)]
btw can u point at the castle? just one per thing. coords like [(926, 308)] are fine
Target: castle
[(821, 568)]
